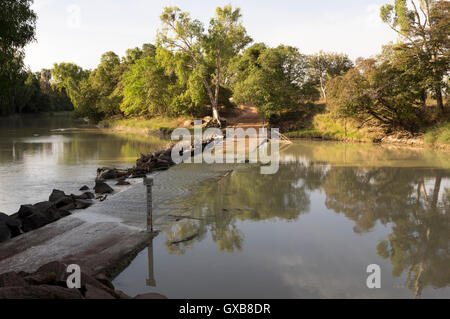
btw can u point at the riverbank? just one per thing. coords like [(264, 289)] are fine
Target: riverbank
[(155, 126), (326, 128)]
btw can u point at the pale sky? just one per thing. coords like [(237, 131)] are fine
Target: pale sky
[(80, 31)]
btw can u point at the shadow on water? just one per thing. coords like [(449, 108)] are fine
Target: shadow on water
[(323, 205)]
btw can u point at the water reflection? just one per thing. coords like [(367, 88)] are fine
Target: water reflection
[(244, 195), (413, 203), (151, 281), (34, 158)]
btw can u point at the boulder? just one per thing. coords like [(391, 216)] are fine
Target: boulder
[(65, 202), (38, 215), (102, 188), (122, 183), (86, 195), (106, 173), (12, 223), (92, 292), (56, 195), (64, 213), (5, 233), (83, 204), (31, 218), (68, 207), (84, 188), (41, 278), (48, 209), (39, 292), (104, 280), (12, 279), (54, 267)]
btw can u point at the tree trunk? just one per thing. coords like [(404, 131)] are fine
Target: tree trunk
[(212, 99), (216, 97), (437, 188), (322, 87), (439, 98)]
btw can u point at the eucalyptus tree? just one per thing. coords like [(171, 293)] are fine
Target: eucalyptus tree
[(274, 79), (423, 27), (324, 66), (205, 53), (17, 29)]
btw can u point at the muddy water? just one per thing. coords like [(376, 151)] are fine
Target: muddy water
[(310, 230), (39, 153)]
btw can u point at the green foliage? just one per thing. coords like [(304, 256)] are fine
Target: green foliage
[(423, 27), (274, 79), (325, 66), (377, 90), (147, 89), (199, 55), (439, 135), (17, 29)]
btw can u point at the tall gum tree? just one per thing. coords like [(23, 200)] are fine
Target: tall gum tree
[(423, 27), (206, 53)]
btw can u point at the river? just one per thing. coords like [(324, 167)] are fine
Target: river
[(308, 231)]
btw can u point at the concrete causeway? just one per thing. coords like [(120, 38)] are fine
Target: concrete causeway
[(108, 235)]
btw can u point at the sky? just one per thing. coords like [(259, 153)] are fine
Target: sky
[(79, 31)]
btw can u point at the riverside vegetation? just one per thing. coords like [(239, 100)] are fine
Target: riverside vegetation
[(192, 71)]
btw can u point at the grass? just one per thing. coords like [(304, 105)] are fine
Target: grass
[(438, 135), (153, 124), (328, 128)]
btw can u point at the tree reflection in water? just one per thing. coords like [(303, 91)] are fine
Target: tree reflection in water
[(414, 202)]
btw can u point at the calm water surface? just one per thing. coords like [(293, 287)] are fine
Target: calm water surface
[(310, 231), (34, 158)]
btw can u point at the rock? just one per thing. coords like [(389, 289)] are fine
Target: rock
[(5, 233), (84, 188), (83, 204), (84, 196), (42, 278), (39, 292), (106, 173), (102, 198), (64, 202), (122, 183), (150, 296), (69, 207), (64, 213), (92, 292), (104, 280), (12, 223), (36, 216), (87, 195), (31, 218), (121, 295), (102, 188), (12, 279), (48, 209), (54, 267), (56, 195)]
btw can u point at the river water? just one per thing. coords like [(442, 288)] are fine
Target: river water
[(39, 153), (310, 230)]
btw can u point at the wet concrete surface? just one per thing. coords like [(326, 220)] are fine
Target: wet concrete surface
[(107, 236)]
